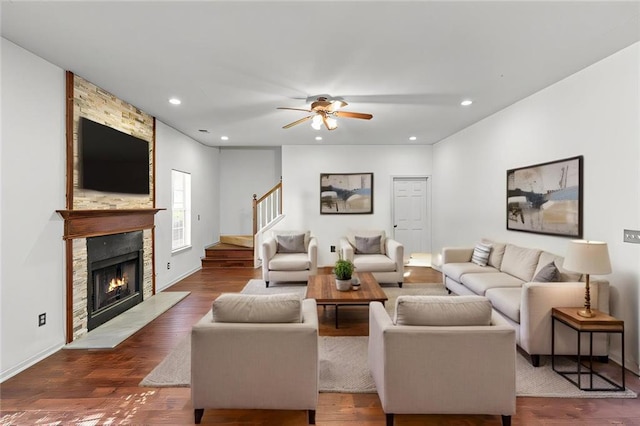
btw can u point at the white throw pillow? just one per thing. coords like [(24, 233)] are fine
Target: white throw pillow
[(481, 254)]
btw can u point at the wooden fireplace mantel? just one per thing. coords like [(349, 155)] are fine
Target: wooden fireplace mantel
[(92, 223)]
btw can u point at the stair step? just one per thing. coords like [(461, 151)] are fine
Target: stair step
[(237, 240), (224, 255)]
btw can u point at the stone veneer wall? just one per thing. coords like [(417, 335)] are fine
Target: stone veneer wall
[(98, 105)]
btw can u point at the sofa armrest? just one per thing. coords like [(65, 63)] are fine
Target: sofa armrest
[(312, 252), (346, 249), (456, 254), (538, 299)]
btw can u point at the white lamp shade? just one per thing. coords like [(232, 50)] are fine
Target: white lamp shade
[(587, 257)]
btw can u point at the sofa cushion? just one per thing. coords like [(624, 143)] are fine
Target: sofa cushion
[(257, 308), (497, 252), (546, 274), (481, 254), (289, 262), (457, 270), (506, 301), (367, 245), (351, 237), (292, 243), (480, 283), (520, 262), (563, 274), (373, 263), (307, 235), (442, 310)]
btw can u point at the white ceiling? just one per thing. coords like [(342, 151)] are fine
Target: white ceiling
[(407, 63)]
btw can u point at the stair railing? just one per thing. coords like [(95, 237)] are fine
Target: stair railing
[(267, 211)]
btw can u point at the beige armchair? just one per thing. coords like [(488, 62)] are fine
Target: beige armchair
[(257, 352), (289, 256), (371, 251), (434, 359)]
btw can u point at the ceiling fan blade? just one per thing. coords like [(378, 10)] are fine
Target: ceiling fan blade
[(295, 109), (349, 114), (302, 120)]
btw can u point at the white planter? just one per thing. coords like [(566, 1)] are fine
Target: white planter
[(343, 285)]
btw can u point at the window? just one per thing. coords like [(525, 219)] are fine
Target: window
[(180, 210)]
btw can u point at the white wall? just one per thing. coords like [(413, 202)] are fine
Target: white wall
[(244, 172), (301, 169), (33, 186), (176, 151), (594, 113)]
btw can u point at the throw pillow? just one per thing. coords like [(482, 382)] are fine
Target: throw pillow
[(547, 274), (293, 243), (442, 310), (367, 245), (257, 308), (481, 254)]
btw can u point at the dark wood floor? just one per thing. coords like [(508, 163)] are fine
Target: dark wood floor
[(100, 387)]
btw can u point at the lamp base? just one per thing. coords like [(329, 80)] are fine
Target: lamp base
[(586, 313)]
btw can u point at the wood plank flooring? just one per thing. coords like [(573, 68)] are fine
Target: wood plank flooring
[(100, 387)]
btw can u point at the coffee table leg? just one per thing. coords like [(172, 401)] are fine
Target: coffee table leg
[(337, 315)]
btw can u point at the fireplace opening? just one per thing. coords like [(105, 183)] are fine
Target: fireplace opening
[(114, 279)]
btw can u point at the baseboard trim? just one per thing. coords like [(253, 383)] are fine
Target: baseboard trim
[(9, 373), (178, 279)]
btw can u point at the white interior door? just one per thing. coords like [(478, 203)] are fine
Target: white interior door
[(411, 214)]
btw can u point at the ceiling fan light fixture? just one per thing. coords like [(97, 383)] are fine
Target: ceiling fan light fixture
[(331, 123), (316, 122)]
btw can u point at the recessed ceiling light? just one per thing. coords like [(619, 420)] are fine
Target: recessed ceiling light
[(412, 138), (175, 101), (224, 138), (466, 102), (318, 138)]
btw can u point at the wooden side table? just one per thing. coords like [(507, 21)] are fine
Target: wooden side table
[(599, 323)]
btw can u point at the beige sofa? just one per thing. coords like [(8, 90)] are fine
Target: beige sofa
[(510, 280), (371, 251), (257, 352), (425, 360), (289, 256)]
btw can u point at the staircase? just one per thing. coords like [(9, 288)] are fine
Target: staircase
[(240, 251), (233, 251)]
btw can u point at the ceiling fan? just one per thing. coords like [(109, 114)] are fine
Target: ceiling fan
[(325, 111)]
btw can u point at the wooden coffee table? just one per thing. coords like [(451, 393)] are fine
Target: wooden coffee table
[(323, 289)]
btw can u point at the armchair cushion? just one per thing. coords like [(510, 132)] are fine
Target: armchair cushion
[(254, 308), (368, 245), (289, 262), (374, 263), (442, 311), (292, 243)]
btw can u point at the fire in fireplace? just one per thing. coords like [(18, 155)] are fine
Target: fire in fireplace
[(114, 279)]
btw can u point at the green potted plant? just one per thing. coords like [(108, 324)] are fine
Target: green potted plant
[(343, 269)]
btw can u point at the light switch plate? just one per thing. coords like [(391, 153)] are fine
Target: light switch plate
[(631, 236)]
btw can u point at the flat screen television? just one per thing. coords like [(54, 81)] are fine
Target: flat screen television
[(112, 161)]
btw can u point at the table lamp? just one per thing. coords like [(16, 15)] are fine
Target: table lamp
[(587, 257)]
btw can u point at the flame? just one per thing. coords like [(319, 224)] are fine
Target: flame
[(118, 282)]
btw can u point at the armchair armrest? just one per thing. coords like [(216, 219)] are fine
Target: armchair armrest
[(456, 254), (346, 249), (395, 251), (312, 252), (268, 250)]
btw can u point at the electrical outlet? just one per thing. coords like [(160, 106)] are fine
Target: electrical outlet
[(333, 249), (168, 265), (42, 319), (631, 236)]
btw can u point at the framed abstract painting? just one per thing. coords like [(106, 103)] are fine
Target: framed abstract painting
[(346, 193)]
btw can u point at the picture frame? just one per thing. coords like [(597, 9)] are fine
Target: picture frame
[(346, 193), (546, 198)]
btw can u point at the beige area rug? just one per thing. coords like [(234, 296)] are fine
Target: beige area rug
[(343, 360), (343, 369)]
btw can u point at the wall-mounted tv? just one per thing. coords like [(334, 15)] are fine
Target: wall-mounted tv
[(112, 161)]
